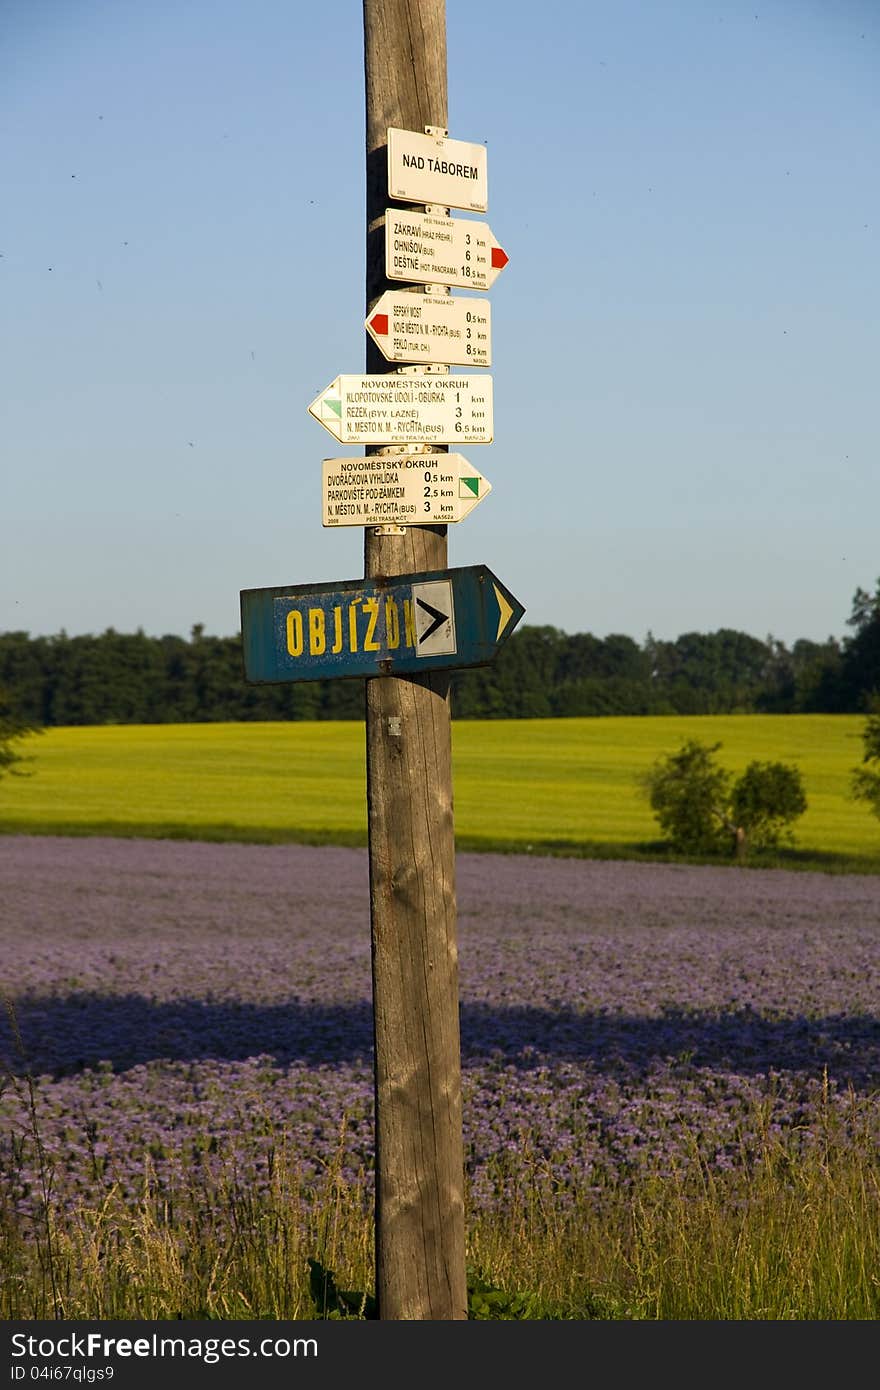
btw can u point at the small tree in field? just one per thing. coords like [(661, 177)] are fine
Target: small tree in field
[(703, 811), (688, 793), (765, 800), (12, 728), (865, 783)]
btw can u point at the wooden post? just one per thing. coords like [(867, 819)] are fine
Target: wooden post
[(420, 1242)]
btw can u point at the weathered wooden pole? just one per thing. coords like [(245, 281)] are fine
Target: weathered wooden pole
[(420, 1240)]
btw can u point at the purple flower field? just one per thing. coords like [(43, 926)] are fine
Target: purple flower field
[(201, 1008)]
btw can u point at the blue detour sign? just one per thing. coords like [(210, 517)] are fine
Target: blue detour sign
[(374, 627)]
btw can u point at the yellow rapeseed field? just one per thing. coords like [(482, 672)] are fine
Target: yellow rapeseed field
[(542, 783)]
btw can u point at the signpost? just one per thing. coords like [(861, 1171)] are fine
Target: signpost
[(425, 249), (400, 490), (407, 624), (432, 169), (369, 627), (413, 327), (407, 409)]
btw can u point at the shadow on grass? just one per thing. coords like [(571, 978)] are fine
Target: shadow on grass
[(659, 852), (637, 851), (64, 1034), (219, 833)]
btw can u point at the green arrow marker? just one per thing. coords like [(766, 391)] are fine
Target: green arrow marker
[(466, 485), (335, 406)]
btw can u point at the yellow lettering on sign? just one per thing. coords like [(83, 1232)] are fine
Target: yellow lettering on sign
[(353, 626), (317, 632), (371, 608), (409, 622), (392, 624), (337, 631), (295, 632)]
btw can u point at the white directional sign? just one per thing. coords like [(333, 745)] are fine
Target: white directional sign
[(434, 169), (401, 490), (426, 249), (431, 328), (403, 409)]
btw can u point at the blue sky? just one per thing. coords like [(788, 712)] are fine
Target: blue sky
[(685, 340)]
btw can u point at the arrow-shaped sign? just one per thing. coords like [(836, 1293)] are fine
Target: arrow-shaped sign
[(369, 627), (401, 490), (414, 327), (425, 248), (402, 409)]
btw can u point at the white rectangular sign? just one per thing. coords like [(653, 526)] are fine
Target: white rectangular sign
[(426, 249), (434, 169), (415, 327), (403, 409), (401, 490)]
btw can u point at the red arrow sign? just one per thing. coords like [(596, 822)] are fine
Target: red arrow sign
[(432, 328), (426, 249)]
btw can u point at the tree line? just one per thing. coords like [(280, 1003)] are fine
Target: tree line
[(540, 672)]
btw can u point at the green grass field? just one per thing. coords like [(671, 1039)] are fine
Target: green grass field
[(546, 785)]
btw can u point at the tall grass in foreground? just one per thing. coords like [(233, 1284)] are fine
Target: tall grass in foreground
[(791, 1232), (790, 1236)]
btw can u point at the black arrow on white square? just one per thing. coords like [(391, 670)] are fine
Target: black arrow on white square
[(437, 616)]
